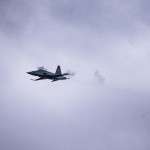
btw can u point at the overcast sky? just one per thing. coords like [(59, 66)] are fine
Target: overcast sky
[(106, 105)]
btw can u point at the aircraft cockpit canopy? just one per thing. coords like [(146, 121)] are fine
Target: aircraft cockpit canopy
[(41, 68)]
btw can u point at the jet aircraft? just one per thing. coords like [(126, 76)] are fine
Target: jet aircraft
[(42, 73)]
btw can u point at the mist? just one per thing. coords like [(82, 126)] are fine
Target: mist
[(105, 45)]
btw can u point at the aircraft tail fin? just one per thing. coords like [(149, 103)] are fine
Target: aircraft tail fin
[(58, 70)]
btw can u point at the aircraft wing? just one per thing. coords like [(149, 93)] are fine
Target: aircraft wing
[(54, 80), (37, 79)]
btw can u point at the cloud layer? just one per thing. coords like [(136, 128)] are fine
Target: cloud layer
[(81, 36)]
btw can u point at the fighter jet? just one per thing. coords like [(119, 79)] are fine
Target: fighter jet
[(42, 73)]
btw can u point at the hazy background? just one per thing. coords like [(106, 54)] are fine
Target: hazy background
[(106, 105)]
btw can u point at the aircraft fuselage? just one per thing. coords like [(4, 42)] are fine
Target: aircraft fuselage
[(44, 74)]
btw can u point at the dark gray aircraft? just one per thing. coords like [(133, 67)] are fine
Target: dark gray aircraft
[(44, 74)]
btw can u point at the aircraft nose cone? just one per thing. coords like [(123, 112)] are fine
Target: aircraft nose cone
[(29, 73)]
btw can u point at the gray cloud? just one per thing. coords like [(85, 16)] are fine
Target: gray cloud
[(81, 36), (14, 16)]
